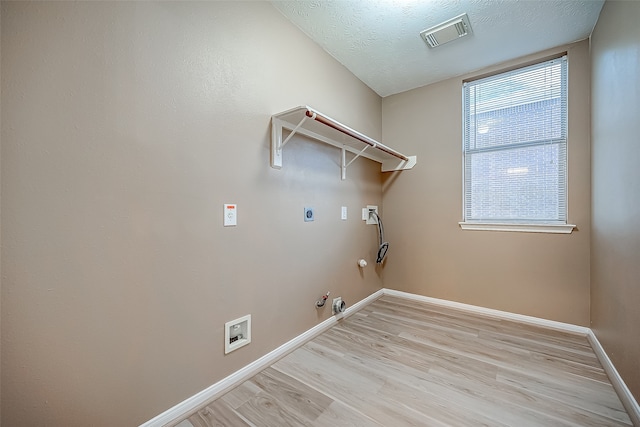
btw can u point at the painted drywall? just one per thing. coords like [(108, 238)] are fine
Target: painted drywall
[(615, 247), (125, 127), (542, 275)]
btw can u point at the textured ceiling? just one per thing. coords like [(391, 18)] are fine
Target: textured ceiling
[(379, 40)]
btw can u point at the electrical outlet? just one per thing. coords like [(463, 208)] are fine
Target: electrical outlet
[(343, 213), (230, 215), (308, 214), (237, 333)]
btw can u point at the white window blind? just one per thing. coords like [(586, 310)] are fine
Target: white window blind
[(515, 146)]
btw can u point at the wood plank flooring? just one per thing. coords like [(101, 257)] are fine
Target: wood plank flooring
[(403, 363)]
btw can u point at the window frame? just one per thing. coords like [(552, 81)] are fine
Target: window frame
[(528, 226)]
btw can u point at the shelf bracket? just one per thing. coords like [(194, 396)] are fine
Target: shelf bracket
[(276, 135), (293, 132), (345, 165)]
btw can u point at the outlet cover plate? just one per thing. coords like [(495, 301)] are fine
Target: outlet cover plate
[(230, 215), (308, 214)]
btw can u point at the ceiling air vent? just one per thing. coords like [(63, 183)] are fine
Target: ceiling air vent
[(450, 30)]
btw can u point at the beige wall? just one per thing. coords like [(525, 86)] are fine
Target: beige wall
[(542, 275), (125, 127), (615, 250)]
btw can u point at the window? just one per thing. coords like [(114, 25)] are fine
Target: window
[(515, 149)]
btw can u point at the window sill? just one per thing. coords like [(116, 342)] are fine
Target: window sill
[(523, 228)]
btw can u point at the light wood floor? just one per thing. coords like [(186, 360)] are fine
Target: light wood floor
[(403, 363)]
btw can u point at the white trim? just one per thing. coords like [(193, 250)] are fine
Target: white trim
[(628, 401), (489, 312), (523, 228), (194, 402), (218, 389)]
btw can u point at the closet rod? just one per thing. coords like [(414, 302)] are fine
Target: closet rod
[(352, 133)]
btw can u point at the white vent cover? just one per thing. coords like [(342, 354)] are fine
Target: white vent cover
[(450, 30)]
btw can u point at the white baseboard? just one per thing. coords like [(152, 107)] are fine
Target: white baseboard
[(489, 312), (194, 402), (628, 401)]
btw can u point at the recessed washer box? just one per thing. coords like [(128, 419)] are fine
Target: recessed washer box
[(237, 333), (367, 216)]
